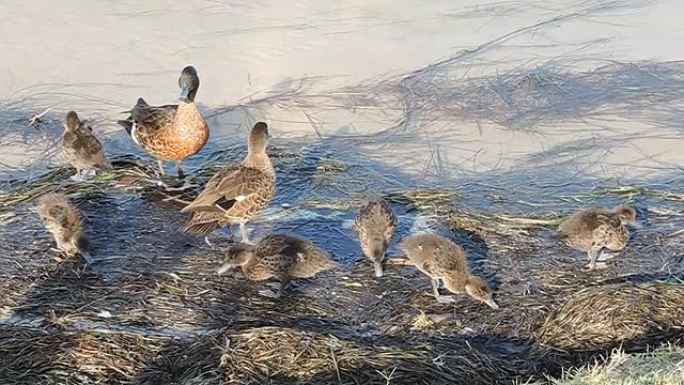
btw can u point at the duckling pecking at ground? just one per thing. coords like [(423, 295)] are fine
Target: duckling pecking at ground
[(237, 193), (279, 256), (82, 149), (443, 260), (172, 132), (64, 222), (375, 224), (595, 229)]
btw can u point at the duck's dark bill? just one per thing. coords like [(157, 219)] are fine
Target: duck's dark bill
[(185, 91)]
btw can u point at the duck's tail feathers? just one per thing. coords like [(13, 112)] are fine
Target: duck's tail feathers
[(130, 120), (315, 261), (127, 124), (201, 224), (105, 165)]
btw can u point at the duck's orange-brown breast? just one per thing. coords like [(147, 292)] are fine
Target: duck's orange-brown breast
[(182, 139)]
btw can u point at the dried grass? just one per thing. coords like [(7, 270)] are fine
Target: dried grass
[(625, 314), (258, 355), (664, 366)]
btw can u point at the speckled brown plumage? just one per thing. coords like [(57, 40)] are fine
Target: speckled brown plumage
[(375, 224), (82, 149), (170, 132), (443, 260), (237, 193), (279, 256), (594, 229), (64, 222)]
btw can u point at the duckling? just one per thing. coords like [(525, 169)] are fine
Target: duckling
[(375, 224), (81, 148), (237, 193), (594, 229), (279, 256), (63, 220), (172, 132), (443, 260)]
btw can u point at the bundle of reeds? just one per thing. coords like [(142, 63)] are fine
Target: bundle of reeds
[(627, 314)]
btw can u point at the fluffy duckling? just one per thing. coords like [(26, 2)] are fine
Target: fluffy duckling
[(171, 132), (82, 149), (594, 229), (375, 224), (63, 220), (279, 256), (443, 260), (237, 193)]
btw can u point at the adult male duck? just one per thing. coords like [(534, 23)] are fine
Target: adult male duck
[(173, 132)]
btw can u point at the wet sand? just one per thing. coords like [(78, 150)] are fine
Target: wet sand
[(99, 59)]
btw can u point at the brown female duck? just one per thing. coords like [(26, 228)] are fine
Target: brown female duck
[(594, 229), (63, 220), (375, 224), (278, 256), (237, 193), (171, 132), (82, 149), (443, 260)]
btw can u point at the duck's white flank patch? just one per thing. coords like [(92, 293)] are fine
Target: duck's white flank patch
[(240, 198), (134, 133)]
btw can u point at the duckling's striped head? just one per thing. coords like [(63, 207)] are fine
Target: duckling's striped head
[(627, 214), (189, 84), (71, 121), (479, 289), (237, 255)]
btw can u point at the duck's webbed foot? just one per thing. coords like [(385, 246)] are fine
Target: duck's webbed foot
[(596, 266), (605, 256), (78, 177), (445, 298), (441, 298)]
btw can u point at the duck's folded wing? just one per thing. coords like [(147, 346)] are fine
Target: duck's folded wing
[(226, 188), (608, 220), (273, 244), (150, 118), (202, 223), (88, 148)]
